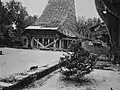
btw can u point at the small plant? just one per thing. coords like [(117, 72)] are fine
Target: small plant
[(77, 63)]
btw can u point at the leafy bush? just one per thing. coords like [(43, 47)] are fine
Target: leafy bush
[(77, 63)]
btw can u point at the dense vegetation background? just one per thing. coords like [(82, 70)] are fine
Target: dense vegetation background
[(14, 18)]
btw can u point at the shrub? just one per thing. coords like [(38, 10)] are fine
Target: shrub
[(77, 63)]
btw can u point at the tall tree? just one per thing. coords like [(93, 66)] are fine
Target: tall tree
[(14, 18), (3, 19), (31, 19), (2, 9), (17, 16), (84, 25)]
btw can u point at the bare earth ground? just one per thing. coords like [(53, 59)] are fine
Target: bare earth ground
[(20, 60), (96, 80)]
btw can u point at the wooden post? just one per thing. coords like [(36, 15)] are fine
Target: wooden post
[(67, 44), (37, 43), (32, 43), (43, 41), (57, 44), (119, 41), (48, 40), (60, 44), (54, 44), (119, 35), (27, 42)]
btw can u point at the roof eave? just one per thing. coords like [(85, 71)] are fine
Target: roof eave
[(41, 28)]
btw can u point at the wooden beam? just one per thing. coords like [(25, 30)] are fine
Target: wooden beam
[(39, 43), (51, 43)]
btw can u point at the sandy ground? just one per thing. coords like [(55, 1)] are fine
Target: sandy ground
[(96, 80), (19, 60)]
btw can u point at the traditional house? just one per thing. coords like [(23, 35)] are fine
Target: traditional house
[(55, 28)]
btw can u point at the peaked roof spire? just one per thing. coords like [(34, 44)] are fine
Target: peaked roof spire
[(59, 14)]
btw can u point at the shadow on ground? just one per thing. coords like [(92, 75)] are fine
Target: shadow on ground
[(82, 82)]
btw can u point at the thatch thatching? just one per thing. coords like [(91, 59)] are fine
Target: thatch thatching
[(59, 14)]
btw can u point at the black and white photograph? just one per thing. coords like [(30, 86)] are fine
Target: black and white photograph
[(59, 44)]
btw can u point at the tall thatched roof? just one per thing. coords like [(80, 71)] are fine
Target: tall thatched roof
[(59, 14)]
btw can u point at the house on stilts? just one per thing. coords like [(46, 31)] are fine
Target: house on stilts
[(55, 29)]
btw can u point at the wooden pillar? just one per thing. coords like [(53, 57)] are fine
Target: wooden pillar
[(32, 43), (119, 35), (29, 41), (67, 43), (60, 44), (57, 44), (26, 43), (48, 40), (43, 41), (37, 43), (119, 41), (54, 44)]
